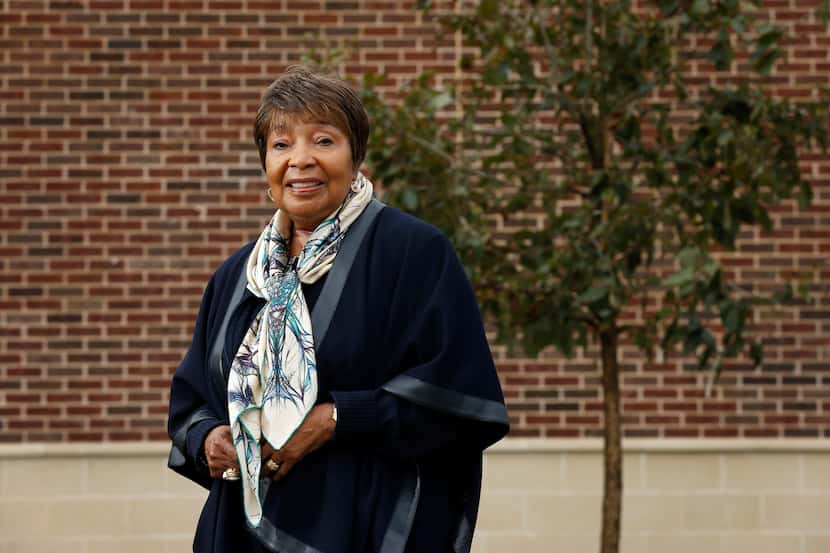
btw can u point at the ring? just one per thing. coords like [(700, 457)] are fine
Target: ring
[(273, 465), (230, 474)]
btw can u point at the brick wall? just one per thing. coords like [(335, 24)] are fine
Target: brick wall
[(127, 174)]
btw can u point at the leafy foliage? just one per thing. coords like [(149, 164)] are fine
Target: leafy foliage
[(582, 174), (563, 175)]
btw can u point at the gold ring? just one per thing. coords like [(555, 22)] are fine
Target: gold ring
[(230, 474), (273, 465)]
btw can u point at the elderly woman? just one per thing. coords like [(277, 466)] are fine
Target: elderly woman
[(339, 390)]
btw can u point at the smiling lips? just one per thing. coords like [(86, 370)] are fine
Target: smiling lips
[(304, 186)]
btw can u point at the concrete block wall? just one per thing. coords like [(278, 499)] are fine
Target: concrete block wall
[(94, 498), (681, 496)]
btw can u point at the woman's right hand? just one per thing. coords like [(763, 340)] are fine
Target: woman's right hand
[(219, 451)]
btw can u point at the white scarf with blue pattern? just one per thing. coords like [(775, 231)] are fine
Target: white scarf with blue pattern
[(273, 379)]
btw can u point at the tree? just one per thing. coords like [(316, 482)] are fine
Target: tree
[(576, 193)]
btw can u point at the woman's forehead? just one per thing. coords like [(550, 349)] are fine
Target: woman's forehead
[(285, 121)]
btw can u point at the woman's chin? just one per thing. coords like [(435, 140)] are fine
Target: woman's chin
[(306, 215), (308, 209)]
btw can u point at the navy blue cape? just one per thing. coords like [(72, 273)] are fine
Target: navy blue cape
[(407, 363)]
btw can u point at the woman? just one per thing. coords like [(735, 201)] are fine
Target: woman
[(339, 390)]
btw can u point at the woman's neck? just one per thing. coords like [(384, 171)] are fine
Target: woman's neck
[(298, 239)]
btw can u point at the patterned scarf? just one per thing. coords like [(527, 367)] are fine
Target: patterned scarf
[(273, 379)]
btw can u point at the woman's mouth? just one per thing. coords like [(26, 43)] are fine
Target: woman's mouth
[(305, 186)]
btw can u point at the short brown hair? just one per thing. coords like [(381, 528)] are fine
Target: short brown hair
[(310, 94)]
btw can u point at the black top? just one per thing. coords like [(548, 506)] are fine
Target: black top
[(407, 363)]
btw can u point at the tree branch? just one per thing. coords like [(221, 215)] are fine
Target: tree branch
[(449, 159)]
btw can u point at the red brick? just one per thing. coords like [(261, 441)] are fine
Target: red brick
[(166, 102)]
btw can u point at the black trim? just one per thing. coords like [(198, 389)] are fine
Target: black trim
[(463, 536), (394, 541), (323, 310), (463, 541), (447, 401), (329, 297), (177, 459), (271, 537), (215, 364), (400, 524), (178, 449), (274, 539)]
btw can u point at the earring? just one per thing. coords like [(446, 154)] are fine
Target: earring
[(268, 193)]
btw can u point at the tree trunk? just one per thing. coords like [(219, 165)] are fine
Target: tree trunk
[(612, 495)]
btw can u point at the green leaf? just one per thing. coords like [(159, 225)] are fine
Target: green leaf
[(440, 100), (680, 87), (725, 137), (805, 195), (721, 53), (738, 24), (488, 9), (689, 256), (496, 74), (691, 342), (681, 278), (756, 351), (593, 294), (765, 62), (824, 11), (703, 360), (700, 7), (731, 318), (784, 295), (410, 199)]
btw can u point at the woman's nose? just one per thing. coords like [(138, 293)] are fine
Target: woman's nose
[(301, 156)]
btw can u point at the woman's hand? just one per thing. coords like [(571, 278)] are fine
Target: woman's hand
[(313, 433), (219, 451)]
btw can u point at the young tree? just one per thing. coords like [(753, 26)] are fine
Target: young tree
[(581, 179)]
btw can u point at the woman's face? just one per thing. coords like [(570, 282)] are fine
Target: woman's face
[(309, 169)]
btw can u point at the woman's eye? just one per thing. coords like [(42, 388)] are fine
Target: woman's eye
[(280, 145), (325, 141)]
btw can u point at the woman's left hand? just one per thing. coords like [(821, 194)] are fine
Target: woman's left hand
[(313, 433)]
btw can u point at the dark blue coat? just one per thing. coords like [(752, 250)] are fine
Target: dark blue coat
[(407, 363)]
